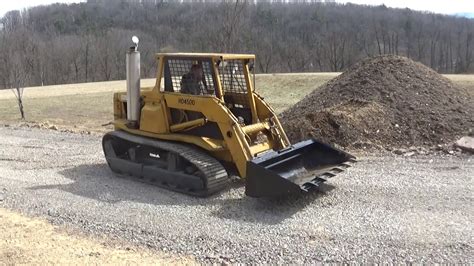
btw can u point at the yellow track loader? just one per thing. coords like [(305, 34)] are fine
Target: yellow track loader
[(203, 122)]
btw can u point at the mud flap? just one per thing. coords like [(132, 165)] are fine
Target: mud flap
[(299, 168)]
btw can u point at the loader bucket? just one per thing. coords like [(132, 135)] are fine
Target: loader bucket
[(299, 168)]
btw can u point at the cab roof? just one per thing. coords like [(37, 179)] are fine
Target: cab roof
[(221, 56)]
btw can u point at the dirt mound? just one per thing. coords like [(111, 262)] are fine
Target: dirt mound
[(385, 101)]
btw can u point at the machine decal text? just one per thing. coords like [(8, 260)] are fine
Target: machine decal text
[(186, 101)]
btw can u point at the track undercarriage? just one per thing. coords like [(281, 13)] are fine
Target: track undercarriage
[(175, 166)]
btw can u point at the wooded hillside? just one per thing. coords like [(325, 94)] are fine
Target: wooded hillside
[(86, 42)]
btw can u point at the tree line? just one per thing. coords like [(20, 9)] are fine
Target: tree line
[(86, 42)]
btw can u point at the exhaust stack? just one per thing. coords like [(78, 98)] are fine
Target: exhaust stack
[(133, 84)]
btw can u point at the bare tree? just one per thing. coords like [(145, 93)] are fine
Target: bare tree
[(18, 91), (232, 18), (18, 78)]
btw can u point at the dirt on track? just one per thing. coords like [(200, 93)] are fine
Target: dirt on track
[(385, 101)]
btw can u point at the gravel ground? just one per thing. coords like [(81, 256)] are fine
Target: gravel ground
[(386, 208)]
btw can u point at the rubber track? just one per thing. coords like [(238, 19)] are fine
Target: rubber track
[(216, 177)]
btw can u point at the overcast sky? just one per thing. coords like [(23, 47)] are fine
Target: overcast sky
[(7, 5), (437, 6)]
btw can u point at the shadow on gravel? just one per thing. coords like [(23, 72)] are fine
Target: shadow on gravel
[(97, 182), (268, 211)]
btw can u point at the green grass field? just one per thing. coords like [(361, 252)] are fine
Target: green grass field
[(87, 106)]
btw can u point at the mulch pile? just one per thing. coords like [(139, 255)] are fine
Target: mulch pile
[(383, 102)]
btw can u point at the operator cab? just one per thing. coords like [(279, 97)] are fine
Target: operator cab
[(224, 76)]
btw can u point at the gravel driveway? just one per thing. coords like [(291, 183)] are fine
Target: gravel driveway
[(386, 208)]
